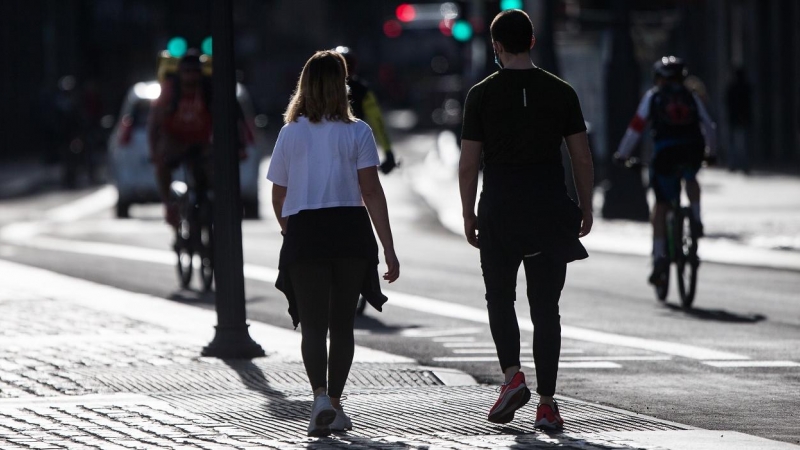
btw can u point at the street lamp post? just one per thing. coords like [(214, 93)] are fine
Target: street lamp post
[(625, 196), (232, 339)]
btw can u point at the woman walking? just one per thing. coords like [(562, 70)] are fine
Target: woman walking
[(324, 172)]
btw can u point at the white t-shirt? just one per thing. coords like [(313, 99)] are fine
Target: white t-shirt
[(318, 163)]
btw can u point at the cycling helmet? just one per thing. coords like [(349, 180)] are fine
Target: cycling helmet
[(670, 67)]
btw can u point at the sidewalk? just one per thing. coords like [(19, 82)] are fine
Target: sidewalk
[(89, 366), (751, 221)]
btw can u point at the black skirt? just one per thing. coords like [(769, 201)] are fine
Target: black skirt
[(330, 233)]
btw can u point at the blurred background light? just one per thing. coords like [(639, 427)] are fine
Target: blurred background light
[(177, 46), (462, 31), (406, 12), (207, 46), (392, 28), (510, 4)]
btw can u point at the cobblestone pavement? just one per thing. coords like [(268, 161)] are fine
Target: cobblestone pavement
[(76, 377)]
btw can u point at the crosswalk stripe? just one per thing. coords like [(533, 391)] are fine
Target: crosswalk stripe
[(731, 364)]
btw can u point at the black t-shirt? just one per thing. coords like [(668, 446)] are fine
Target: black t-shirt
[(521, 116)]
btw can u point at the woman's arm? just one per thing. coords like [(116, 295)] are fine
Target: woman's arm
[(278, 197), (375, 200)]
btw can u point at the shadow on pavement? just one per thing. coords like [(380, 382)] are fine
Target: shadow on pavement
[(254, 379), (718, 315), (365, 322), (193, 297)]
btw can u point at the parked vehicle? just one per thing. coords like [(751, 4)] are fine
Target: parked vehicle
[(129, 157)]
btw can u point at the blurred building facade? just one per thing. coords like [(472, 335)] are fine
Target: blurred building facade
[(111, 44)]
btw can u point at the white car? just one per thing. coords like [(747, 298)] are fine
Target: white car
[(129, 157)]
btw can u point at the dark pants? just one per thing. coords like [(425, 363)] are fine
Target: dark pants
[(545, 279), (327, 292)]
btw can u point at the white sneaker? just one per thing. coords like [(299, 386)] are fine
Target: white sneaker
[(322, 414), (342, 422)]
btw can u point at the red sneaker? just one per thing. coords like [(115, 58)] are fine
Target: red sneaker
[(513, 396), (548, 417)]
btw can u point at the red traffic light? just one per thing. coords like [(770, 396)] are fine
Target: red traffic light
[(406, 12)]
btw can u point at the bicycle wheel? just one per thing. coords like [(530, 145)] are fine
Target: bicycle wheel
[(662, 289), (662, 284), (184, 252), (687, 261), (206, 257)]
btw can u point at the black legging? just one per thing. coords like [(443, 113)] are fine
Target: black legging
[(545, 279), (327, 293)]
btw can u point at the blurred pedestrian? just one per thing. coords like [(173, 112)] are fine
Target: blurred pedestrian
[(739, 100), (515, 121), (324, 172), (366, 108)]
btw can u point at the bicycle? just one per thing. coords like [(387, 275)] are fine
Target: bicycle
[(194, 234), (682, 242)]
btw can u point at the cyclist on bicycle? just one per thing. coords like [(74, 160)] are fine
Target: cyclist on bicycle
[(180, 128), (366, 108), (684, 135), (179, 124)]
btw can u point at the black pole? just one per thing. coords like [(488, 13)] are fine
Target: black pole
[(232, 340), (625, 197)]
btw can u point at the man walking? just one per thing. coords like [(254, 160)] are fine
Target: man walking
[(514, 122)]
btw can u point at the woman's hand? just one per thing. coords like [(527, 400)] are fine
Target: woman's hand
[(393, 266)]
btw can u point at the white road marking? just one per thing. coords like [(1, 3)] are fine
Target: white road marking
[(479, 315), (581, 365), (529, 363), (102, 199), (475, 345), (730, 364), (472, 359), (454, 339), (616, 358), (438, 332), (474, 351)]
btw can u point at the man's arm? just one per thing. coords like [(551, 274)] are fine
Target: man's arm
[(468, 167), (583, 174)]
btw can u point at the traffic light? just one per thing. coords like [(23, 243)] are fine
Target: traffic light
[(177, 47), (207, 47), (510, 4), (462, 31), (406, 12)]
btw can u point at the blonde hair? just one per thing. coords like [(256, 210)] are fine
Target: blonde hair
[(321, 92)]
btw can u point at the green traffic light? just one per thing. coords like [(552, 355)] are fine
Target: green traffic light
[(206, 46), (462, 31), (177, 46), (510, 4)]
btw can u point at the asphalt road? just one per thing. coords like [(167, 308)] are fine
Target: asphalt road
[(729, 364)]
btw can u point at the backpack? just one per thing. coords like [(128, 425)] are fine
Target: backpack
[(675, 113)]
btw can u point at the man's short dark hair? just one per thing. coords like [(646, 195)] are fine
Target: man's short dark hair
[(513, 29)]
